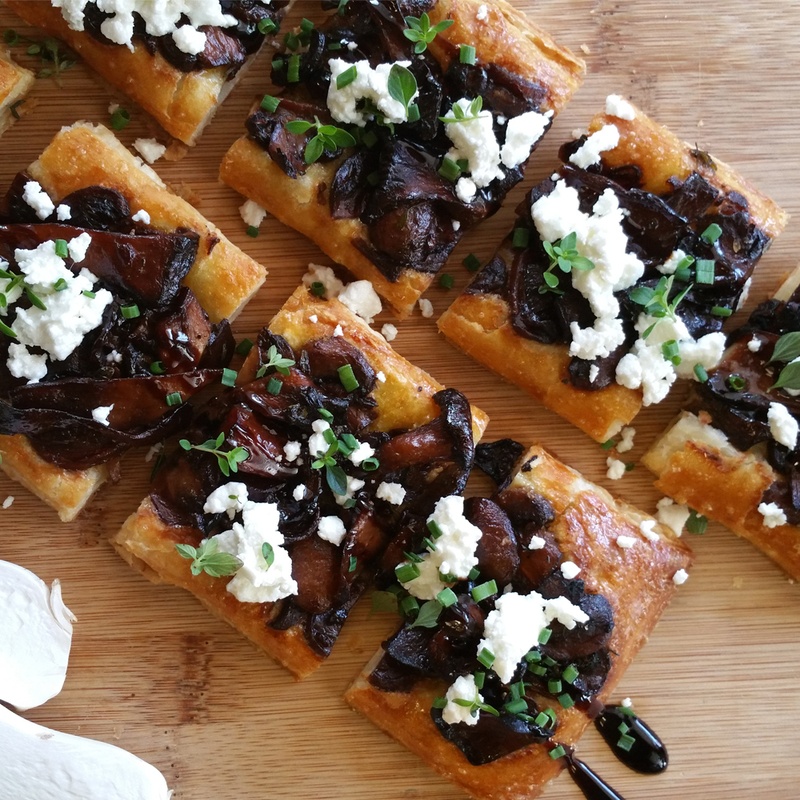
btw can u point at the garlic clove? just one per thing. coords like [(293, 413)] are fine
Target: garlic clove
[(35, 638)]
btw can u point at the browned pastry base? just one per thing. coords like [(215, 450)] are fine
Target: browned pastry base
[(15, 83), (479, 323), (222, 277), (636, 581), (506, 37), (183, 103), (404, 401)]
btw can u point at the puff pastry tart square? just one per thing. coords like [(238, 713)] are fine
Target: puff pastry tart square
[(15, 83), (552, 588), (331, 447), (116, 297), (619, 274), (733, 453), (176, 71), (400, 125)]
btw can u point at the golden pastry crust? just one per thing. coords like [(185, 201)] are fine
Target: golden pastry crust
[(183, 103), (636, 581), (222, 277), (15, 83), (479, 324), (404, 401), (506, 37)]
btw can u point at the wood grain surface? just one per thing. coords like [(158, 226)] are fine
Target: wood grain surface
[(152, 672)]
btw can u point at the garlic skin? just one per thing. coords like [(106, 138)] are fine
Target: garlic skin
[(36, 634), (40, 764)]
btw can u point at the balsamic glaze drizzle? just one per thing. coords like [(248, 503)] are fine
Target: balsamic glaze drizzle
[(589, 782)]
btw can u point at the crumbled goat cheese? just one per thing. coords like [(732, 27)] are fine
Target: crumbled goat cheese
[(361, 453), (369, 84), (588, 154), (671, 264), (362, 299), (331, 529), (393, 493), (8, 501), (483, 12), (619, 107), (299, 492), (594, 372), (251, 213), (454, 552), (773, 515), (153, 451), (426, 308), (522, 133), (338, 330), (466, 190), (474, 141), (100, 414), (114, 357), (24, 364), (570, 570), (672, 515), (456, 225), (627, 703), (141, 216), (616, 468), (63, 212), (754, 345), (647, 528), (189, 40), (680, 577), (626, 441), (380, 377), (292, 450), (463, 688), (353, 485), (324, 275), (782, 425), (38, 199), (566, 612), (313, 318), (317, 444), (78, 247), (389, 332), (149, 149), (256, 581), (537, 543), (626, 542), (228, 499)]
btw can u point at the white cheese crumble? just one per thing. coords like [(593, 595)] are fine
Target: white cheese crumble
[(594, 372), (522, 133), (754, 345), (671, 264), (680, 577), (463, 688), (317, 444), (617, 106), (425, 308), (474, 141), (63, 212), (607, 138), (8, 501), (256, 581), (189, 40), (672, 515), (782, 425), (361, 453), (369, 84), (773, 515), (24, 364), (78, 247), (537, 543), (299, 492), (483, 12), (627, 703), (331, 529), (153, 451), (252, 213), (570, 570), (616, 468), (380, 377), (565, 611), (454, 552), (101, 413), (149, 149), (38, 199), (362, 299), (141, 216), (338, 330), (626, 441), (626, 542), (324, 275), (456, 225), (647, 528), (389, 332), (353, 486), (313, 318), (393, 493), (228, 499), (292, 450)]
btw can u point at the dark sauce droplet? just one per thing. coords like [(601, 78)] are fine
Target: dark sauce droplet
[(589, 782), (631, 740)]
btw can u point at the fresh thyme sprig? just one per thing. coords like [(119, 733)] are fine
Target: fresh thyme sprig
[(228, 461), (327, 137), (656, 301), (787, 348), (54, 62), (207, 558), (564, 255), (458, 114), (421, 31), (275, 361)]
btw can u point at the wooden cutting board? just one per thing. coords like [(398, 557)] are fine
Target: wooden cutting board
[(152, 672)]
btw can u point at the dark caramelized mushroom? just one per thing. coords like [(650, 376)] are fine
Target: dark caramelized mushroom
[(498, 557)]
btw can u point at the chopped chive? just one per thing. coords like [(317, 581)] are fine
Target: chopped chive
[(85, 293), (671, 351), (484, 590), (291, 40), (540, 671), (480, 679), (449, 170), (533, 656), (700, 373), (486, 657), (270, 103), (623, 727), (696, 523), (130, 312), (736, 382), (325, 414), (439, 702), (466, 54), (544, 636), (705, 270), (370, 464), (409, 605), (244, 347), (120, 119), (228, 377), (472, 262), (557, 752), (570, 673), (157, 368), (318, 289), (566, 701), (277, 63), (721, 311), (434, 528), (174, 399), (541, 719), (554, 686), (347, 77), (306, 25), (607, 444), (430, 545), (62, 249), (447, 597), (406, 572), (521, 237), (348, 378), (252, 231), (351, 567), (626, 742), (711, 234), (548, 661), (446, 281), (293, 70), (266, 26), (274, 386), (335, 45), (516, 706), (473, 574)]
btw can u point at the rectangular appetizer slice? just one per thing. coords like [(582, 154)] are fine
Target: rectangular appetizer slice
[(115, 296), (400, 125), (522, 614), (286, 493), (176, 60), (733, 454), (15, 83), (619, 273)]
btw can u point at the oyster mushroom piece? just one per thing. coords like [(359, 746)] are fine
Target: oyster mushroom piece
[(36, 634), (40, 764)]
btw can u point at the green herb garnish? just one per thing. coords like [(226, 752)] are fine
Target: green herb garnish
[(696, 523), (327, 137), (402, 85), (564, 255), (428, 615), (422, 33), (120, 118), (458, 114), (275, 361), (207, 558), (227, 461), (656, 301)]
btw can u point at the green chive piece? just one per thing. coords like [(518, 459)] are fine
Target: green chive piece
[(480, 679), (486, 657), (266, 26), (440, 702), (270, 103), (626, 742), (472, 262), (705, 270), (516, 706), (277, 63), (348, 378), (293, 70), (540, 671), (244, 347), (229, 377), (671, 351), (157, 368), (570, 673), (721, 311), (434, 528), (554, 686), (711, 234), (557, 752), (252, 231), (447, 597), (409, 605), (700, 373), (736, 382), (120, 119), (541, 719), (174, 399), (533, 656), (696, 523), (347, 77), (449, 170), (325, 414), (130, 312), (60, 285), (484, 590), (318, 289), (623, 727), (521, 238), (607, 444), (544, 636), (370, 464), (85, 293), (406, 572), (351, 567), (473, 574), (62, 250), (306, 25), (566, 701), (446, 281), (466, 54)]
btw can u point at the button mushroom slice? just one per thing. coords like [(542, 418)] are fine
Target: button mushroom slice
[(41, 764), (35, 637)]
